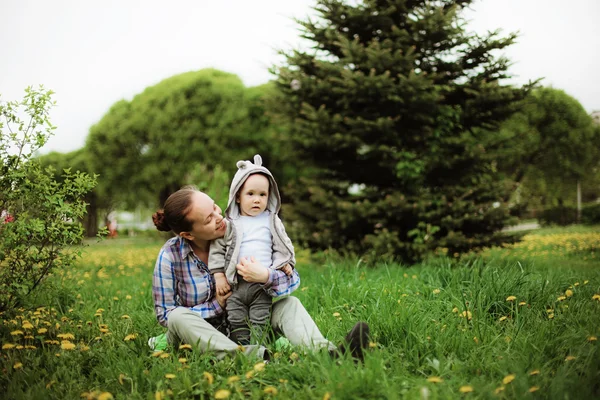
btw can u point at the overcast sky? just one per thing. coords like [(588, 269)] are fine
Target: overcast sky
[(94, 53)]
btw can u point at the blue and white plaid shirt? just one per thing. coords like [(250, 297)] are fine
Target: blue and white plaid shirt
[(182, 279)]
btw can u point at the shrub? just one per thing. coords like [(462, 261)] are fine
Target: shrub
[(560, 215), (39, 229), (590, 214)]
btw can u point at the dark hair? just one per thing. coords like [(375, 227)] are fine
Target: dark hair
[(173, 217)]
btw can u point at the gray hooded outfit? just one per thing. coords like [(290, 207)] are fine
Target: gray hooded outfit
[(249, 301)]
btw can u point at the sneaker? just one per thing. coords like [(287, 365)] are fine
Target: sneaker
[(158, 343), (356, 341)]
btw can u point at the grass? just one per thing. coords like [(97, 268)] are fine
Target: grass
[(438, 327)]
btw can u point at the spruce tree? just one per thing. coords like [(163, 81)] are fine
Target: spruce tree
[(389, 109)]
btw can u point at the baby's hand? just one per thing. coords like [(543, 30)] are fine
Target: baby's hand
[(287, 269), (222, 284)]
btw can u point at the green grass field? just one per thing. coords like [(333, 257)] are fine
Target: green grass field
[(519, 322)]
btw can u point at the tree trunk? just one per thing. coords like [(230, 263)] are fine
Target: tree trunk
[(578, 201), (165, 192), (90, 220)]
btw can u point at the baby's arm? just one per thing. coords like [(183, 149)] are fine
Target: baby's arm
[(221, 283)]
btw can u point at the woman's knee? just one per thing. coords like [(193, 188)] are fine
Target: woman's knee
[(177, 316)]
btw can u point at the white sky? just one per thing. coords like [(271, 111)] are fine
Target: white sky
[(94, 53)]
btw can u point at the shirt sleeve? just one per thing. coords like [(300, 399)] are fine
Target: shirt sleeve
[(279, 284), (164, 288)]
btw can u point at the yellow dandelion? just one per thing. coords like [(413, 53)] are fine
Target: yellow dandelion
[(508, 379), (535, 372), (533, 389), (568, 293), (100, 310), (585, 282), (19, 347), (499, 389), (414, 277), (435, 379), (84, 348), (182, 360), (164, 355), (129, 337), (249, 374), (284, 381), (561, 298), (592, 338), (66, 336), (294, 356), (104, 330), (455, 310), (233, 379), (116, 298), (185, 347), (209, 377), (475, 339), (372, 345), (105, 396), (336, 314), (18, 365), (259, 367), (170, 376), (222, 394), (66, 345), (551, 316), (157, 353), (596, 297), (8, 346), (436, 291), (327, 396), (41, 331), (29, 337), (16, 333), (125, 316), (570, 358), (27, 325), (511, 298), (466, 314), (522, 303), (128, 297), (272, 390), (465, 389), (576, 284), (503, 318)]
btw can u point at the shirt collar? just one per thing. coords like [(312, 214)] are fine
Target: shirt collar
[(184, 247)]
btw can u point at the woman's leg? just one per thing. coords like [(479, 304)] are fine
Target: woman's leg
[(291, 318), (189, 327)]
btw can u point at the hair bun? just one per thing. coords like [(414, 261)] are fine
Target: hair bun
[(160, 221)]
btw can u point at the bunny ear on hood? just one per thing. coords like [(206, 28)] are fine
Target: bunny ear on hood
[(245, 169)]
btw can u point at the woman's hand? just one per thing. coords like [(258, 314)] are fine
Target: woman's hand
[(252, 270), (222, 298)]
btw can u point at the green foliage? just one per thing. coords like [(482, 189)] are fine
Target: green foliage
[(549, 145), (39, 224), (389, 111), (559, 215), (590, 214), (174, 130)]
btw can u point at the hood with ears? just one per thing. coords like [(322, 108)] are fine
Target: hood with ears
[(245, 169)]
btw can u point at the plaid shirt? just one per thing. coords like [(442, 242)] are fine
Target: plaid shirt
[(181, 279)]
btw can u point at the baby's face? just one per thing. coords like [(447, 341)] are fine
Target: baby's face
[(254, 195)]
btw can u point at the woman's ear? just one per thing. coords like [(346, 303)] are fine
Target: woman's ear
[(186, 235)]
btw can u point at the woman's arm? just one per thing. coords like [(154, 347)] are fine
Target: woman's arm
[(164, 288), (275, 282)]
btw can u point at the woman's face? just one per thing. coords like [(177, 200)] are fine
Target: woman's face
[(207, 221)]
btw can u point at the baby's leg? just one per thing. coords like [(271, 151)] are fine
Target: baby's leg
[(259, 312), (237, 314)]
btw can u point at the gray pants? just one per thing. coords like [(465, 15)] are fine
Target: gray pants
[(288, 316), (248, 310)]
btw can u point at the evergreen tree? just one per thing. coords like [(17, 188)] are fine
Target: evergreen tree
[(390, 109)]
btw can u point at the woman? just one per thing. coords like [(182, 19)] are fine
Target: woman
[(185, 298)]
